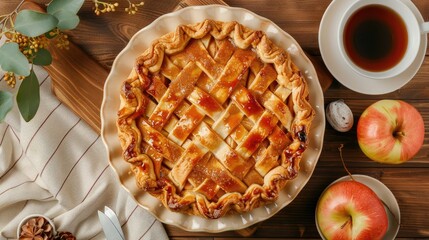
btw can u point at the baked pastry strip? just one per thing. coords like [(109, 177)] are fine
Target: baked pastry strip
[(260, 133)]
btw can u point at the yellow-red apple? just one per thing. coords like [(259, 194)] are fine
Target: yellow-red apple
[(390, 131), (351, 210)]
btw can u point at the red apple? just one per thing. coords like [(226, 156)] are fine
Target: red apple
[(390, 131), (351, 210)]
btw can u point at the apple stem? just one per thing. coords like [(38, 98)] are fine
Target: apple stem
[(399, 134), (342, 160), (350, 220)]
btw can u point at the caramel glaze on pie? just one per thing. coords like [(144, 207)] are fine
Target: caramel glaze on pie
[(214, 118)]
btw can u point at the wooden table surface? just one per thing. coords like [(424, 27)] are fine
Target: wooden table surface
[(103, 37)]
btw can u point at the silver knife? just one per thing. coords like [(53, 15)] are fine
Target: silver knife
[(111, 214), (111, 226)]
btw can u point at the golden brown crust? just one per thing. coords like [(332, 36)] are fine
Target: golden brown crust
[(210, 142)]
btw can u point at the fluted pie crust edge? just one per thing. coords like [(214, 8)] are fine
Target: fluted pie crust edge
[(160, 164)]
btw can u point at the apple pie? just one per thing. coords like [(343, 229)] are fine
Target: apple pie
[(214, 119)]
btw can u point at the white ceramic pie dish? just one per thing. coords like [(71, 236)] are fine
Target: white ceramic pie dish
[(121, 69)]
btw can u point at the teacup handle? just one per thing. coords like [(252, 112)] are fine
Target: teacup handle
[(424, 27)]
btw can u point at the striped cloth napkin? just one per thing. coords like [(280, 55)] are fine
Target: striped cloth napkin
[(56, 165)]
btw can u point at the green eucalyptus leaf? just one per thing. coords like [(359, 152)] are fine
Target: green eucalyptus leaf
[(28, 97), (12, 60), (66, 19), (43, 58), (6, 103), (33, 24), (69, 5)]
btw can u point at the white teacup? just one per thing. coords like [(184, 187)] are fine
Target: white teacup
[(414, 29)]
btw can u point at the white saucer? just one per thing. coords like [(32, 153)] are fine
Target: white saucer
[(328, 44), (384, 193)]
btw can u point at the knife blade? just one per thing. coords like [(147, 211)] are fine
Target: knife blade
[(111, 214), (109, 228)]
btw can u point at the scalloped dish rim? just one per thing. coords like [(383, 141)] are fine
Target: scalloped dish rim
[(122, 67)]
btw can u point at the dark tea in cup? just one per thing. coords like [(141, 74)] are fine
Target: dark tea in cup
[(379, 39), (375, 38)]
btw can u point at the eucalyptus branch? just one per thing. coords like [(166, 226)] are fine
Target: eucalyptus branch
[(8, 17), (6, 20), (19, 6), (4, 27), (28, 35)]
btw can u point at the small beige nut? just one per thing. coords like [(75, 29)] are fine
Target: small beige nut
[(339, 116)]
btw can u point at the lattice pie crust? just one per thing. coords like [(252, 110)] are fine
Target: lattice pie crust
[(214, 118)]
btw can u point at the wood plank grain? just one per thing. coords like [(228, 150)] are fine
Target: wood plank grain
[(195, 238), (104, 36), (187, 3), (77, 81)]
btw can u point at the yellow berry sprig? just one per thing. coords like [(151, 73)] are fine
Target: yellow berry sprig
[(133, 7), (10, 78), (61, 39), (104, 7), (7, 29), (29, 45)]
